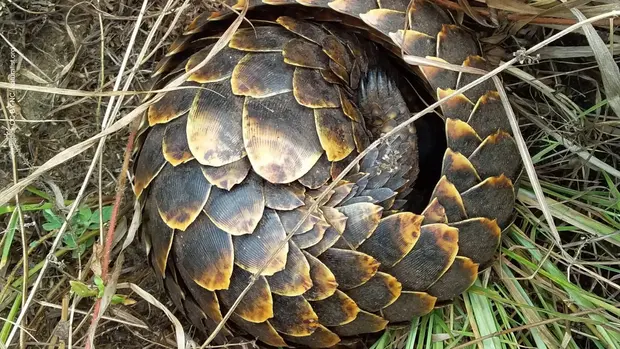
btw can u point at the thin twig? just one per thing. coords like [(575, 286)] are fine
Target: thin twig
[(109, 238)]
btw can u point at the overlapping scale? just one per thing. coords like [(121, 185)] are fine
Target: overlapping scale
[(408, 306), (362, 220), (439, 77), (377, 293), (338, 309), (340, 71), (318, 175), (334, 131), (425, 17), (415, 43), (484, 118), (457, 107), (336, 219), (459, 170), (173, 104), (151, 159), (257, 305), (312, 91), (349, 109), (174, 144), (262, 331), (480, 89), (399, 5), (294, 316), (461, 137), (498, 154), (295, 279), (330, 77), (323, 280), (206, 299), (365, 322), (253, 251), (279, 125), (227, 176), (393, 238), (304, 29), (340, 192), (493, 199), (290, 219), (160, 236), (262, 75), (385, 20), (431, 256), (219, 67), (448, 196), (351, 268), (311, 237), (353, 7), (379, 195), (205, 252), (239, 210), (180, 193), (174, 291), (454, 45), (329, 239), (478, 238), (261, 39), (283, 197), (214, 125), (303, 53), (194, 313), (337, 52), (320, 338), (461, 274)]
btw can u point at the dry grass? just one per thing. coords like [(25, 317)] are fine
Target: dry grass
[(555, 283)]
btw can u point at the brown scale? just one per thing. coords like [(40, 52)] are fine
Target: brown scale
[(233, 161)]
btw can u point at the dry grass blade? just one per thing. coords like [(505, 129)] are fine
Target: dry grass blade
[(178, 328), (555, 96), (513, 6), (529, 166), (135, 323), (571, 216), (77, 93), (610, 73), (134, 226), (565, 52)]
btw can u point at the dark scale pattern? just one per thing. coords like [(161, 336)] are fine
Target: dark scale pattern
[(233, 161)]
